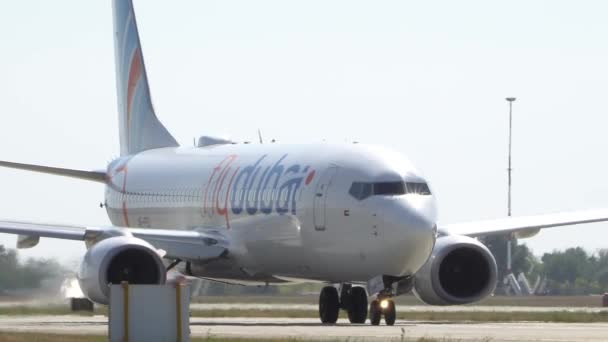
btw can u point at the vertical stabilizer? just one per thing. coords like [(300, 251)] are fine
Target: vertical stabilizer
[(139, 128)]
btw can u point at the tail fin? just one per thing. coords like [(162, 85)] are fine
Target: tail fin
[(139, 127)]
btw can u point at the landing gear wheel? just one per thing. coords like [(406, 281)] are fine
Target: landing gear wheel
[(390, 313), (375, 313), (329, 305), (357, 310)]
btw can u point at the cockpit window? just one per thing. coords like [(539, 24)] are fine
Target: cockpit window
[(363, 190), (417, 188), (389, 188)]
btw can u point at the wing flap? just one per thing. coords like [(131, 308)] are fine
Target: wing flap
[(524, 223), (188, 245)]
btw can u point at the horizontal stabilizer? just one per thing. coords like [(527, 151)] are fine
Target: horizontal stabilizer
[(96, 176)]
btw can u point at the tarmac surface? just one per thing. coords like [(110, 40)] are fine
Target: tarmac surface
[(315, 307), (309, 328)]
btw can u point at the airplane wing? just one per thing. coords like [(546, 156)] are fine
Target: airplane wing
[(190, 245), (523, 224), (96, 176)]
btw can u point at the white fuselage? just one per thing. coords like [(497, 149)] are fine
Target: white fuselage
[(287, 209)]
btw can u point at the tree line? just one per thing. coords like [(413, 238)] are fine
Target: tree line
[(16, 276), (573, 271)]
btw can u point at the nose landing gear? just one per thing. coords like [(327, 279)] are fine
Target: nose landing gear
[(380, 307), (353, 299)]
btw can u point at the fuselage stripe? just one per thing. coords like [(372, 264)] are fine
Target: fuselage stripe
[(124, 195), (215, 170), (224, 211)]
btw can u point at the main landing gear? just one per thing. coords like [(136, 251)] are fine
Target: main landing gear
[(353, 299), (329, 305)]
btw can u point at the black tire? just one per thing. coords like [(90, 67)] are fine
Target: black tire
[(329, 305), (375, 313), (390, 313), (357, 310)]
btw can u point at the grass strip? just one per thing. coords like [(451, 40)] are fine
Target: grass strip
[(503, 316), (471, 316), (537, 301), (51, 310)]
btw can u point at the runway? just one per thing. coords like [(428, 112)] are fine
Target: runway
[(315, 307), (309, 328)]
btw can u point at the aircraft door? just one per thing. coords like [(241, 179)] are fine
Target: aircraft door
[(320, 200)]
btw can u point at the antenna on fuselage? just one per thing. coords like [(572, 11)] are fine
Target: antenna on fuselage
[(260, 136)]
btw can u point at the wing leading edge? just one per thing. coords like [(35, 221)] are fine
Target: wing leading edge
[(524, 223), (96, 176), (177, 244)]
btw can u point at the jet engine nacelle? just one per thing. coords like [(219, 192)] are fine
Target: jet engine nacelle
[(117, 259), (460, 270)]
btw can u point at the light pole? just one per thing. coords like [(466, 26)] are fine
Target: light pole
[(509, 169)]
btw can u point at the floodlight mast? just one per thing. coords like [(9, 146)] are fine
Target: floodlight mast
[(509, 170)]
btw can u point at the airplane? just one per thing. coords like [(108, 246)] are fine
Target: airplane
[(359, 218)]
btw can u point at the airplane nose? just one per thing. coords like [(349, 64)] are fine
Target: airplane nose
[(411, 236)]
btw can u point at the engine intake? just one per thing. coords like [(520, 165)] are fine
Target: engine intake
[(118, 259), (460, 270)]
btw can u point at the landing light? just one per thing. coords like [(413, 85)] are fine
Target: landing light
[(384, 304)]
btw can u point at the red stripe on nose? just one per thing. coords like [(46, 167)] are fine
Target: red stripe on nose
[(309, 178)]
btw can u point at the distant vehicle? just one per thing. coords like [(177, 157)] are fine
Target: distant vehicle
[(349, 214)]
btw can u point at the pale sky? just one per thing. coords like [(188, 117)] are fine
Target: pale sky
[(427, 78)]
